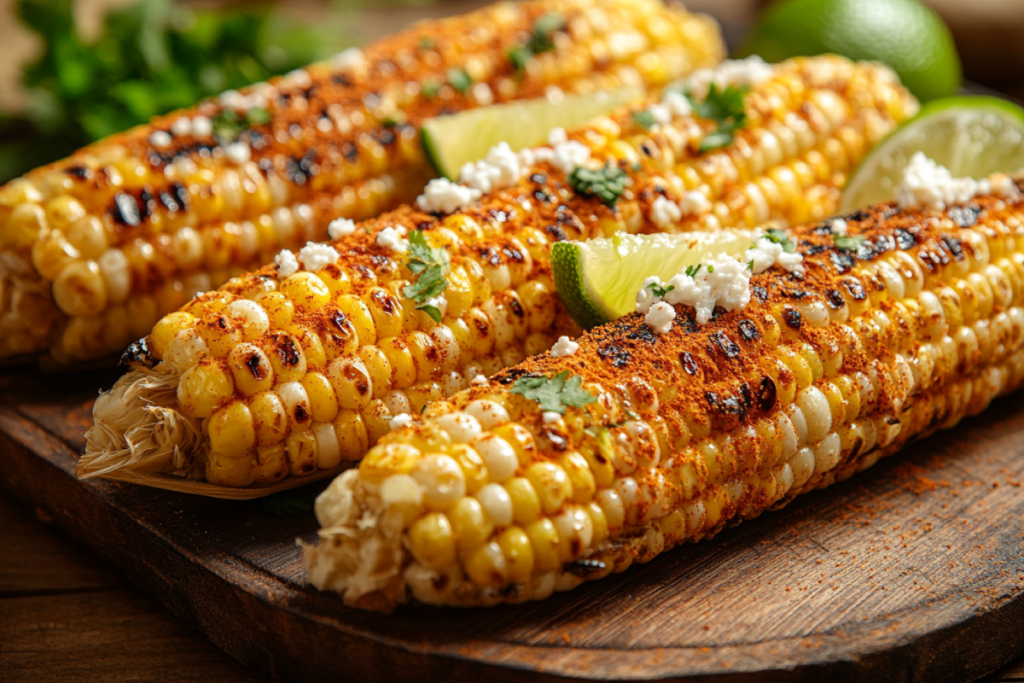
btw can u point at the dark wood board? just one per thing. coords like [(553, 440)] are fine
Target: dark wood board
[(912, 571)]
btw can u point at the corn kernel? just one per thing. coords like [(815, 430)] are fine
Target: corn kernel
[(485, 566), (469, 521), (551, 484), (231, 430), (301, 446), (269, 418), (271, 463), (322, 400), (224, 471), (306, 291), (544, 541), (167, 329), (432, 540), (351, 382), (403, 368), (519, 560), (203, 388), (352, 437), (250, 368)]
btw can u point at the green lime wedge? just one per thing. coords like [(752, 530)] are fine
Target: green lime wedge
[(451, 141), (597, 280), (971, 136)]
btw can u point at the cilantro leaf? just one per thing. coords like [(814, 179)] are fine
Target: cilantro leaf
[(724, 107), (430, 89), (556, 393), (660, 290), (520, 57), (849, 242), (427, 43), (229, 124), (431, 265), (693, 270), (780, 237), (644, 119), (460, 79), (544, 29), (607, 183)]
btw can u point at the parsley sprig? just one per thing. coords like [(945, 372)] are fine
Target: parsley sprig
[(431, 265), (780, 237), (608, 183), (541, 40), (229, 124), (848, 242), (555, 393), (724, 107), (660, 290)]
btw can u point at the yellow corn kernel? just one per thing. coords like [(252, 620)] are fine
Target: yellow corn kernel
[(80, 290), (312, 347), (204, 387), (383, 461), (220, 333), (352, 437), (422, 394), (386, 310), (425, 355), (540, 304), (323, 402), (797, 365), (24, 226), (403, 369), (485, 566), (836, 403), (224, 471), (598, 522), (520, 439), (473, 469), (544, 541), (271, 463), (279, 308), (459, 293), (580, 477), (286, 357), (432, 540), (600, 465), (551, 484), (268, 417), (360, 317), (306, 291), (336, 279), (301, 446), (231, 429), (351, 382), (519, 561), (375, 416), (250, 369), (525, 503), (470, 522), (481, 332), (167, 329), (463, 337)]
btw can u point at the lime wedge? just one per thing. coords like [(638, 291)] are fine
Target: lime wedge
[(451, 141), (597, 280), (971, 136)]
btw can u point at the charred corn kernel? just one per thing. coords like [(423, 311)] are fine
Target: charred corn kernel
[(269, 418), (287, 360), (323, 402), (486, 566), (203, 388), (432, 540), (351, 432), (301, 447), (351, 382), (506, 265), (271, 463), (551, 484), (167, 329), (232, 433), (250, 369), (224, 471), (473, 469)]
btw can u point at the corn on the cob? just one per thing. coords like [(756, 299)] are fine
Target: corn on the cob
[(94, 249), (485, 499), (274, 376)]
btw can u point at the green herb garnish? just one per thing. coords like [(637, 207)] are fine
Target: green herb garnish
[(848, 242), (693, 270), (780, 237), (460, 79), (288, 503), (427, 43), (258, 116), (725, 108), (430, 89), (750, 264), (431, 265), (229, 124), (660, 290), (644, 119), (608, 183), (556, 393), (541, 40), (520, 57)]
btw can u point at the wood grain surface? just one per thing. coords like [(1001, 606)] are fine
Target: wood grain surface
[(911, 571)]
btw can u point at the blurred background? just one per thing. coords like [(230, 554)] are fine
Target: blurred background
[(77, 70)]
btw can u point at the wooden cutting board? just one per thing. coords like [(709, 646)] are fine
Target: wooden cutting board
[(912, 571)]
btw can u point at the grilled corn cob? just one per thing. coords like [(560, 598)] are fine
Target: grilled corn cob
[(278, 375), (487, 499), (94, 249)]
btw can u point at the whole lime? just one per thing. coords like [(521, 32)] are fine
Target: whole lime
[(904, 34)]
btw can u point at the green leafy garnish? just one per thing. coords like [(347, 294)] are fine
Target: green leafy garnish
[(229, 124), (644, 119), (660, 290), (607, 183), (431, 265), (848, 242), (780, 237), (556, 393), (750, 264), (288, 503), (693, 270), (520, 57), (258, 116), (430, 89), (427, 43), (460, 79), (711, 269), (541, 40), (725, 108)]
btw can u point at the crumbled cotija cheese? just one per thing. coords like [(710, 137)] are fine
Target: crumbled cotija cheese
[(237, 152), (735, 72), (287, 264), (182, 126), (660, 317), (694, 203), (564, 347), (391, 238), (443, 196), (929, 185), (346, 59), (341, 227), (160, 138), (401, 420), (202, 126), (315, 256), (665, 213), (499, 169), (570, 155)]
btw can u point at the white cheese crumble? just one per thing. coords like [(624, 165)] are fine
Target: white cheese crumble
[(341, 227), (554, 94), (723, 281), (238, 152), (182, 127), (202, 126), (694, 203), (665, 213), (479, 380), (443, 196), (287, 264), (569, 155), (735, 72), (499, 169), (315, 256), (551, 417), (660, 317), (929, 185), (557, 136), (438, 302), (299, 78), (347, 59), (392, 239), (401, 420), (839, 227), (564, 347), (482, 94), (160, 138)]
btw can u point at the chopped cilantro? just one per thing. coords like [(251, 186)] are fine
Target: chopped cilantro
[(430, 89), (725, 108), (848, 242), (258, 116), (460, 79), (608, 183), (427, 43), (660, 290), (520, 57), (556, 393), (750, 264), (431, 265), (711, 269), (229, 124), (693, 270), (643, 118), (780, 237), (544, 30)]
